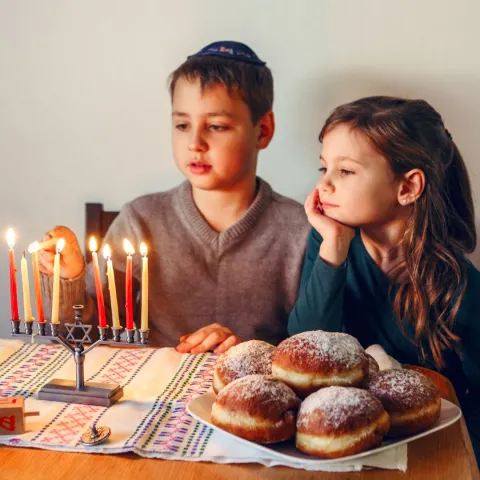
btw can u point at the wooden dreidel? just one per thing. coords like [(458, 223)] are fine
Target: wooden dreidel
[(12, 415)]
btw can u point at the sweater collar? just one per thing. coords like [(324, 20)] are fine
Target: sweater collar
[(201, 228)]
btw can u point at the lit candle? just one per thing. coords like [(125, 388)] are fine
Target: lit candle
[(111, 286), (144, 318), (56, 281), (128, 283), (33, 249), (102, 320), (13, 275), (27, 306)]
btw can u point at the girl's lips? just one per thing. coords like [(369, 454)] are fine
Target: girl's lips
[(328, 205), (199, 168)]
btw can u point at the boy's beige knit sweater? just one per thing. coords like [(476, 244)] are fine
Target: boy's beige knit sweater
[(245, 278)]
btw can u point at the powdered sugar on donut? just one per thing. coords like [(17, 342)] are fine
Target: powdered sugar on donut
[(261, 389), (337, 405), (402, 388), (247, 358), (320, 347)]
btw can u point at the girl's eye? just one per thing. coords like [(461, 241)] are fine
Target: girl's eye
[(346, 172), (181, 126), (219, 128), (322, 170)]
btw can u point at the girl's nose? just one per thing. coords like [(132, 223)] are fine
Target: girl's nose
[(324, 184)]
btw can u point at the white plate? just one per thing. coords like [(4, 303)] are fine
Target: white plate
[(200, 408)]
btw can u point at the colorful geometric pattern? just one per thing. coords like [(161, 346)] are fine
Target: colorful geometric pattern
[(169, 428), (28, 369), (165, 428)]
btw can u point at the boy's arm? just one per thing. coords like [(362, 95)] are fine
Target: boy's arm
[(320, 301), (81, 289), (72, 292)]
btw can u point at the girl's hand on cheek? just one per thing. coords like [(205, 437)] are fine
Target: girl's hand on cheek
[(336, 236)]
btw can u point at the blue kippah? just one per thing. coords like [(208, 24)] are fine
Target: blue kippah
[(232, 50)]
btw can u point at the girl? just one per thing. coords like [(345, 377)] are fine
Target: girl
[(392, 218)]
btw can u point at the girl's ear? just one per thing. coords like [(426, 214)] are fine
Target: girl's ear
[(266, 128), (411, 186)]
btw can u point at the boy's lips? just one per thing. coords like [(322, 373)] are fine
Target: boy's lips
[(199, 168)]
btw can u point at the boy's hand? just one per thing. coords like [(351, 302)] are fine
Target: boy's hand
[(336, 236), (72, 262), (206, 338)]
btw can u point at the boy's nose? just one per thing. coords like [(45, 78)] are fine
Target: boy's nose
[(197, 143)]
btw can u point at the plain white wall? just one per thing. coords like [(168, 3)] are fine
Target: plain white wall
[(85, 113)]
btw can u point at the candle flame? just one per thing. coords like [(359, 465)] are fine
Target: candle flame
[(93, 244), (128, 247), (34, 247), (107, 252), (10, 237), (143, 249), (60, 245)]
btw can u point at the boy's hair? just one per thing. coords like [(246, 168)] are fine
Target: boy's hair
[(253, 82), (441, 228)]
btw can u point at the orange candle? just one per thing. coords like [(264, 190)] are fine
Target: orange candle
[(13, 275), (33, 249), (102, 320), (128, 283)]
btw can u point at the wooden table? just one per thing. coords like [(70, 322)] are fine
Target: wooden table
[(446, 454)]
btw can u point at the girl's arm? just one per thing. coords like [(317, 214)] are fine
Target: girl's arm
[(320, 301), (468, 323)]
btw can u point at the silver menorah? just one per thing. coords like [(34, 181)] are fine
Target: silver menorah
[(79, 391)]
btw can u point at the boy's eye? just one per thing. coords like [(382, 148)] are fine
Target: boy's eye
[(218, 128), (346, 172), (322, 170), (181, 126)]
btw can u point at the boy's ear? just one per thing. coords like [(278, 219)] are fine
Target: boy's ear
[(266, 129)]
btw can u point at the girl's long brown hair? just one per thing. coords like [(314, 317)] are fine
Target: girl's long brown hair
[(441, 229)]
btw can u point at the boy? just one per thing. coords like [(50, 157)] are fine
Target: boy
[(225, 251)]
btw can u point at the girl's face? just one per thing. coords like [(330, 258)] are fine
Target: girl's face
[(357, 185)]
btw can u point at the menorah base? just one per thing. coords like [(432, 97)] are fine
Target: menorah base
[(94, 393)]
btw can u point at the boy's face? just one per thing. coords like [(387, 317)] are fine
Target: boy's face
[(214, 141)]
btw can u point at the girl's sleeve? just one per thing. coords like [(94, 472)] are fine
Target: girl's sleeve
[(469, 330), (320, 301)]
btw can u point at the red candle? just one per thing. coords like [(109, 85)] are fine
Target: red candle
[(13, 275), (33, 249), (102, 320), (128, 283)]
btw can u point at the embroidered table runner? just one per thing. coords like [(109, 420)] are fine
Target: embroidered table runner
[(150, 419)]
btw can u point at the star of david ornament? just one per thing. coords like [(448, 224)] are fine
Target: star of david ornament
[(78, 332)]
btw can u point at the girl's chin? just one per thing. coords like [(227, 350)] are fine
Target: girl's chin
[(340, 219)]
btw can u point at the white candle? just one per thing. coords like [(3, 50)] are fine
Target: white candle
[(111, 287), (144, 317), (56, 281), (27, 306), (128, 284)]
